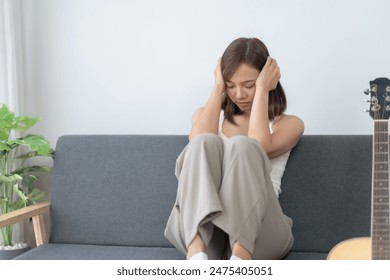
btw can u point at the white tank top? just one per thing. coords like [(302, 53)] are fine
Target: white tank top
[(278, 166)]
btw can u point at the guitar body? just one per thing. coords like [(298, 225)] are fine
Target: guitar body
[(352, 249)]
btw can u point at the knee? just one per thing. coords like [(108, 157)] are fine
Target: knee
[(243, 145), (208, 140), (247, 149)]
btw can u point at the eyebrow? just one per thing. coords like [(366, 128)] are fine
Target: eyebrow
[(248, 81)]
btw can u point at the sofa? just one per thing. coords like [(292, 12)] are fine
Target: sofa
[(112, 195)]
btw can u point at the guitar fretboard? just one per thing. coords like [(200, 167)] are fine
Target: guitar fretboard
[(380, 226)]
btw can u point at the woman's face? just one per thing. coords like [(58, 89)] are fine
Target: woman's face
[(242, 85)]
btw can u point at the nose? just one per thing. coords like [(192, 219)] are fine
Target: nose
[(240, 93)]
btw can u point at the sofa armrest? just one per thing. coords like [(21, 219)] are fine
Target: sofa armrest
[(33, 211)]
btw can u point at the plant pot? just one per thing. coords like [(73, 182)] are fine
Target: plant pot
[(9, 254)]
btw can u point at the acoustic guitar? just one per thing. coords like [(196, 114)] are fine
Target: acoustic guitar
[(377, 246)]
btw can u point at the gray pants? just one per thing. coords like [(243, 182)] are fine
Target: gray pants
[(225, 193)]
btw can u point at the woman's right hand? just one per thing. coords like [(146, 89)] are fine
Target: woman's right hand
[(219, 82)]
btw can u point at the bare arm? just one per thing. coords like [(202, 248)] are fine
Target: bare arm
[(286, 133), (287, 130), (206, 119)]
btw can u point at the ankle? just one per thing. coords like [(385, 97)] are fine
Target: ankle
[(196, 246)]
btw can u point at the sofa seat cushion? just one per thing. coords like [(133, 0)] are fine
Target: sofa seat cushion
[(97, 252)]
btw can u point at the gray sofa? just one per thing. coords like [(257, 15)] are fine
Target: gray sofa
[(112, 195)]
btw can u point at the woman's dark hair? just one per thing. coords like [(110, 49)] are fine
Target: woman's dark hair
[(253, 52)]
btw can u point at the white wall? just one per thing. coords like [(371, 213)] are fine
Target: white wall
[(143, 66)]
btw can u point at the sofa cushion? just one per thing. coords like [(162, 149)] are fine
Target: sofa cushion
[(113, 189), (96, 252), (326, 190)]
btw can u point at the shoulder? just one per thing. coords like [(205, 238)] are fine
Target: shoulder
[(288, 129), (286, 132), (288, 121)]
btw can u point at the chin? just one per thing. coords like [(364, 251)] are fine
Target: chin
[(245, 109)]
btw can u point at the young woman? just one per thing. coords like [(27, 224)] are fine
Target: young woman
[(230, 172)]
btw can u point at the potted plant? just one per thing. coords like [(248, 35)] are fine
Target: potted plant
[(16, 179)]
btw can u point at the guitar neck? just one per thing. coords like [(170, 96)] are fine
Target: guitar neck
[(380, 226)]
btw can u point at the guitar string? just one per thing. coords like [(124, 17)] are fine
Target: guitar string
[(381, 154)]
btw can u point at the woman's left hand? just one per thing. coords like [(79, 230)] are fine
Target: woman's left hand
[(269, 76)]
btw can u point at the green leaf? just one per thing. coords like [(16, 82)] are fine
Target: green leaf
[(23, 123), (15, 142), (37, 143), (4, 147), (35, 154), (7, 120), (28, 180), (35, 168), (35, 196), (28, 155), (30, 198), (20, 193), (19, 203)]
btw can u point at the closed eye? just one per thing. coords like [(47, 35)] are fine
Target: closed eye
[(229, 86)]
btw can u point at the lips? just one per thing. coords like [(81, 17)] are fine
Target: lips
[(243, 103)]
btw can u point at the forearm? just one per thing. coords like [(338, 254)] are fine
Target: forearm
[(259, 121), (208, 120)]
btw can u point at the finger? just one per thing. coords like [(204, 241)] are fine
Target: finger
[(218, 62), (269, 60)]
